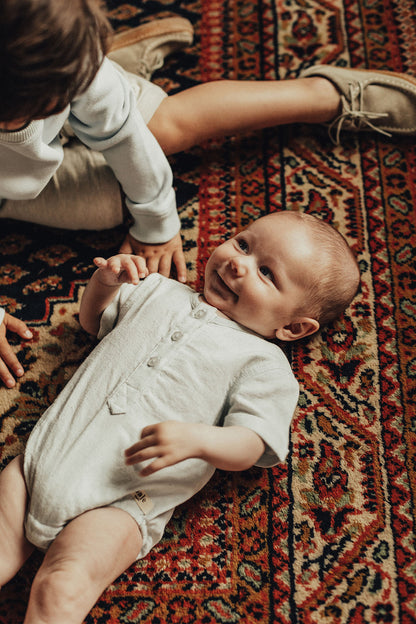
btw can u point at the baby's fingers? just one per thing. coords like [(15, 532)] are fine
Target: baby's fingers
[(158, 464), (99, 262), (124, 267), (141, 269), (141, 451), (162, 460)]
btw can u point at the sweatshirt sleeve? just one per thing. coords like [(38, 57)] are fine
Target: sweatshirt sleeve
[(106, 118)]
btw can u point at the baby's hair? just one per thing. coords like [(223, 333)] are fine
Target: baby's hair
[(333, 280), (50, 51)]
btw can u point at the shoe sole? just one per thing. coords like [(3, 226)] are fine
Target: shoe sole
[(157, 28)]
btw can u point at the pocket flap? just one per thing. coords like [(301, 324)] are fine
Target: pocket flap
[(117, 401)]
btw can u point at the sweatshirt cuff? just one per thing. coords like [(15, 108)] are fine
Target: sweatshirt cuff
[(151, 227)]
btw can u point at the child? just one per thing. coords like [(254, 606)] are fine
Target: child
[(51, 71), (180, 384)]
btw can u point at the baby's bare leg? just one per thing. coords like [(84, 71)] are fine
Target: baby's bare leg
[(228, 107), (14, 547), (90, 553)]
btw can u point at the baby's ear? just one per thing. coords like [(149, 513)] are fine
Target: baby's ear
[(300, 328)]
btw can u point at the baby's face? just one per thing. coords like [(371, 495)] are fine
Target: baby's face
[(256, 277)]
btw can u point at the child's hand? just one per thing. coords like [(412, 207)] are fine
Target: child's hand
[(159, 258), (170, 442), (8, 359), (120, 269)]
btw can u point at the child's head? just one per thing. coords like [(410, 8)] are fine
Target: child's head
[(50, 50), (284, 276)]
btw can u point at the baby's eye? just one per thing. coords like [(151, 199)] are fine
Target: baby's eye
[(242, 244), (266, 272)]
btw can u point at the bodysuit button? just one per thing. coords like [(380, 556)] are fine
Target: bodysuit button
[(153, 361), (177, 335), (199, 313)]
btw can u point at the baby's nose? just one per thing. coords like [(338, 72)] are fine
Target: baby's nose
[(238, 266)]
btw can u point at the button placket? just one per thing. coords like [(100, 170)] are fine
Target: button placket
[(153, 361), (176, 335), (199, 313)]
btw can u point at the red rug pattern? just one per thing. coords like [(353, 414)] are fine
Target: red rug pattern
[(329, 537)]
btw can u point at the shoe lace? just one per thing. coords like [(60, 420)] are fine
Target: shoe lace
[(357, 117)]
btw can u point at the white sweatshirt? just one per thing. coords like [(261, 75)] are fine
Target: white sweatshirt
[(106, 119)]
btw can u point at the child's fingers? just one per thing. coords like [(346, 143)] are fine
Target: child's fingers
[(153, 264), (5, 376), (180, 264), (165, 264), (18, 327), (9, 362)]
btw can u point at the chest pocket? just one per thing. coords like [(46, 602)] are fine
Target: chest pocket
[(117, 402)]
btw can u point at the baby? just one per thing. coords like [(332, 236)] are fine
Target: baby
[(180, 384)]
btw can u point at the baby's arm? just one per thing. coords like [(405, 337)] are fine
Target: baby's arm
[(170, 442), (104, 285)]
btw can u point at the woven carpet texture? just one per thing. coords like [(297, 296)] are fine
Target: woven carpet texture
[(328, 537)]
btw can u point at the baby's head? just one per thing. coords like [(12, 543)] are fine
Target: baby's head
[(50, 50), (284, 276)]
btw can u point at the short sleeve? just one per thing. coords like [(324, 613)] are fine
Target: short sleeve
[(2, 313), (128, 295), (264, 400), (110, 315)]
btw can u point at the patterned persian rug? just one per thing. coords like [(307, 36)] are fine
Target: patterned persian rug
[(329, 537)]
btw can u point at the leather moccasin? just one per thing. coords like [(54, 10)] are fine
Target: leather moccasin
[(143, 49), (381, 101)]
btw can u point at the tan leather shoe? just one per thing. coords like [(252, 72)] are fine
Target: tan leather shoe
[(381, 101), (143, 49)]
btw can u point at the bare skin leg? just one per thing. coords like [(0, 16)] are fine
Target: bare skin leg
[(14, 547), (90, 553), (227, 107)]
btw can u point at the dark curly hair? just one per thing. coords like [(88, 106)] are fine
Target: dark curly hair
[(50, 51)]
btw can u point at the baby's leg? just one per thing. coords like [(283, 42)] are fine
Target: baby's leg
[(90, 553), (14, 547)]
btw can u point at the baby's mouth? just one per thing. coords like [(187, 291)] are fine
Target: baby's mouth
[(224, 287)]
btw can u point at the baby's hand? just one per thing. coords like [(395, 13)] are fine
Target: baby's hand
[(167, 443), (159, 258), (120, 269)]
